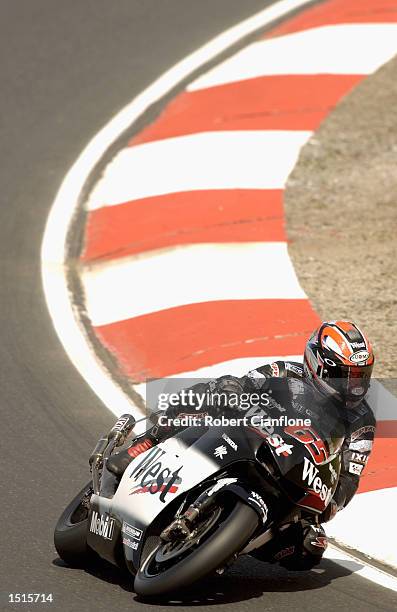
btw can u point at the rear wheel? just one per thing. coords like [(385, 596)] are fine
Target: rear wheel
[(70, 535), (171, 566)]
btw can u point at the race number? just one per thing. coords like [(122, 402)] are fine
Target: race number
[(314, 444)]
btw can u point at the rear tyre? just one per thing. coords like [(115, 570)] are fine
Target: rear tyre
[(165, 571), (70, 535)]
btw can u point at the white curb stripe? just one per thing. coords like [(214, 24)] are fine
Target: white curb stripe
[(209, 160), (130, 287), (376, 537), (369, 572), (337, 49)]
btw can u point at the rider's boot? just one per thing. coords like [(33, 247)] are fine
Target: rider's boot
[(296, 547)]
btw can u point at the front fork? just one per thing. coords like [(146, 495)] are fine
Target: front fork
[(182, 527), (106, 445)]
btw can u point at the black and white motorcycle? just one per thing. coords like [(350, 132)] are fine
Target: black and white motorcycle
[(195, 502)]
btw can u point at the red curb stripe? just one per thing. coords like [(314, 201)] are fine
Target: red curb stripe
[(184, 218), (286, 102), (197, 335), (340, 12), (387, 429), (381, 471)]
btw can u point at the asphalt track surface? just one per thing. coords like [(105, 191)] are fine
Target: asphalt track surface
[(66, 68)]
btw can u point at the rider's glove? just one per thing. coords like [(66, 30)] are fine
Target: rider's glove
[(329, 512)]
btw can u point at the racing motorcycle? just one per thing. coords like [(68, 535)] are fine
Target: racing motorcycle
[(195, 502)]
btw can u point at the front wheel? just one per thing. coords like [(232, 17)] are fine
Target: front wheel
[(70, 535), (170, 567)]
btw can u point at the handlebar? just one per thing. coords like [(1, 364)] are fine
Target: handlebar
[(107, 443)]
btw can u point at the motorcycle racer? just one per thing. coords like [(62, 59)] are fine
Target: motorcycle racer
[(338, 362)]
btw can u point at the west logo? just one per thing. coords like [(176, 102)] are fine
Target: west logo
[(102, 525), (153, 477), (309, 475), (280, 446), (257, 499)]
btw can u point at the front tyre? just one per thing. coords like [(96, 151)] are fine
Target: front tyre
[(167, 570), (70, 535)]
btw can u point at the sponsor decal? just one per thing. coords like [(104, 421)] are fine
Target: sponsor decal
[(320, 542), (119, 426), (358, 345), (139, 448), (293, 368), (360, 458), (220, 451), (334, 475), (310, 475), (355, 468), (102, 525), (130, 543), (330, 362), (152, 476), (260, 502), (285, 552), (189, 415), (275, 369), (361, 445), (363, 430), (223, 482), (281, 447), (359, 356), (229, 441), (132, 531)]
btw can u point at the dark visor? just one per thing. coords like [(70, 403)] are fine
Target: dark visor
[(350, 382)]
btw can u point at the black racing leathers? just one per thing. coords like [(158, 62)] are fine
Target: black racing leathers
[(360, 432), (359, 424)]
